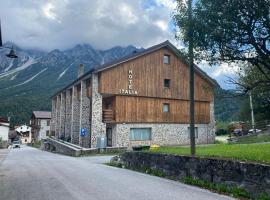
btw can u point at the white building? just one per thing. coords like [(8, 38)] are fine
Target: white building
[(4, 129), (25, 133), (40, 123)]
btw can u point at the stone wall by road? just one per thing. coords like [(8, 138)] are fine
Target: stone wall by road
[(254, 178), (163, 134)]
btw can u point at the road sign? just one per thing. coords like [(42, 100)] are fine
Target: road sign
[(83, 132)]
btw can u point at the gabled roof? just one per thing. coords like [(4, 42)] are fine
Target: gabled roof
[(42, 114), (116, 62), (150, 50)]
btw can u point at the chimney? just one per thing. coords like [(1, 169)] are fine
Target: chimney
[(80, 70)]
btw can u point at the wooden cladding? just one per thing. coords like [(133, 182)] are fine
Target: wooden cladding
[(148, 75), (150, 110)]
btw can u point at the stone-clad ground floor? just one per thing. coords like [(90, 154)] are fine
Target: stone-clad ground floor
[(161, 134)]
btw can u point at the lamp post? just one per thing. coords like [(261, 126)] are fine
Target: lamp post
[(12, 53)]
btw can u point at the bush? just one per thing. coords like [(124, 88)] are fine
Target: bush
[(221, 132)]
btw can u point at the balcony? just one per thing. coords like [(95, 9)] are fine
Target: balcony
[(108, 116)]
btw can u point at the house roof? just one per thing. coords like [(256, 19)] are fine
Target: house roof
[(4, 120), (116, 62), (42, 114)]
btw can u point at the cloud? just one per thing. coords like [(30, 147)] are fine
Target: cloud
[(221, 72), (49, 24)]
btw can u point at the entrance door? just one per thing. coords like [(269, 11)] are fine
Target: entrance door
[(109, 136)]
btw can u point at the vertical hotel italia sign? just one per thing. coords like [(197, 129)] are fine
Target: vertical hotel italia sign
[(130, 89)]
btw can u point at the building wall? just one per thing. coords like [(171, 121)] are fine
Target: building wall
[(4, 132), (84, 116), (143, 109), (57, 120), (43, 129), (53, 119), (68, 114), (146, 75), (165, 134), (98, 128), (75, 115), (62, 114)]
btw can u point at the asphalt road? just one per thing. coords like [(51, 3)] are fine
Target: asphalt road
[(31, 174)]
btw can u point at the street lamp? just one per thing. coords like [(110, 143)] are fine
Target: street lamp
[(12, 53)]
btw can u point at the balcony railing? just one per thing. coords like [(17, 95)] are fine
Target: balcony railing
[(108, 115)]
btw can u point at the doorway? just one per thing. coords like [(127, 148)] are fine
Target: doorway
[(109, 136)]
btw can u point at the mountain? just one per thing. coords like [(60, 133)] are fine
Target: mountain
[(26, 83), (227, 105)]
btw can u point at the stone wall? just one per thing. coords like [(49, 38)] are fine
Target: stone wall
[(53, 117), (57, 123), (98, 128), (84, 116), (163, 134), (75, 116), (254, 178), (62, 148), (62, 115), (68, 115)]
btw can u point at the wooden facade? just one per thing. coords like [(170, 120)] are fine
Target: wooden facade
[(138, 91), (149, 73)]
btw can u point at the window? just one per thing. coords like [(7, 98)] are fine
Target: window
[(140, 134), (166, 107), (48, 122), (47, 133), (167, 83), (166, 59), (196, 132)]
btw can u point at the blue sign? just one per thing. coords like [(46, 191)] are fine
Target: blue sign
[(83, 132)]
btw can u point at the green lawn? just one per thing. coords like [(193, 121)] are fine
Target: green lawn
[(245, 152)]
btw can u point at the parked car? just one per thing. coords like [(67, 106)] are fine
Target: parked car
[(16, 144), (257, 130)]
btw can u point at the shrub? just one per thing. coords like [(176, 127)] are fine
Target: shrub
[(221, 132)]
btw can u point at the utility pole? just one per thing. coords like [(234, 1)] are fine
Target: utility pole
[(252, 113), (191, 80)]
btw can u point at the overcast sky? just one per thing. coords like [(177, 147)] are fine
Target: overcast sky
[(61, 24)]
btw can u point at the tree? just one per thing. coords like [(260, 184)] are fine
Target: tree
[(229, 31)]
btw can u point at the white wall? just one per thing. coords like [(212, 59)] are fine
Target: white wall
[(43, 129), (4, 132)]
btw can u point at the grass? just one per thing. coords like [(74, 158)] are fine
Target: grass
[(245, 152), (36, 144), (255, 139)]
